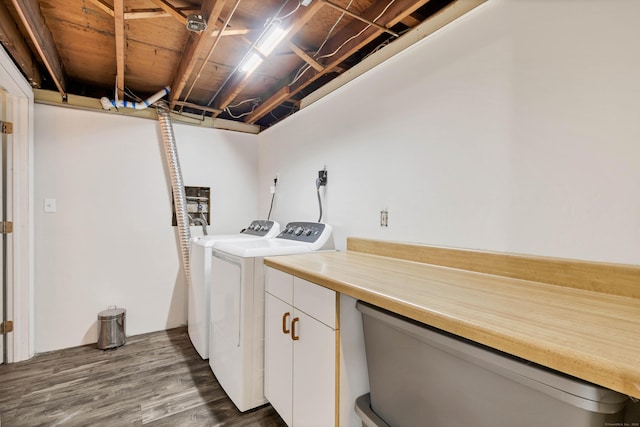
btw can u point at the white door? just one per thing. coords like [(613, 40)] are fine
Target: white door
[(16, 105), (4, 244)]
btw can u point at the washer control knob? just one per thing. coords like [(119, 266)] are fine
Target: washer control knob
[(308, 232), (299, 231)]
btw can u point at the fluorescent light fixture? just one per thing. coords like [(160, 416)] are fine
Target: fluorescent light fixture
[(251, 63), (269, 40)]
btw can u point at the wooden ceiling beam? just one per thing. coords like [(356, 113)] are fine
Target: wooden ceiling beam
[(12, 40), (33, 21), (232, 32), (154, 13), (348, 40), (238, 81), (197, 107), (172, 10), (196, 46), (305, 56), (410, 21), (143, 13), (118, 14), (103, 6), (181, 4), (360, 18), (278, 98)]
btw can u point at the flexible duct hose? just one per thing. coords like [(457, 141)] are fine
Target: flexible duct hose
[(179, 195)]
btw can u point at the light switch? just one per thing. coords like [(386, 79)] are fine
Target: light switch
[(50, 205)]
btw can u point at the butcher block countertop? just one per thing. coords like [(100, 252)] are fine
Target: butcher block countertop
[(577, 317)]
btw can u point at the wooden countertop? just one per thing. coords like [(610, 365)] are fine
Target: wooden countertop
[(590, 335)]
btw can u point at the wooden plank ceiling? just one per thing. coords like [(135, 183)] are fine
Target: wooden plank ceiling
[(133, 48)]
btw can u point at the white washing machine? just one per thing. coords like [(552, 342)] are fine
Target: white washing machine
[(236, 353), (198, 304)]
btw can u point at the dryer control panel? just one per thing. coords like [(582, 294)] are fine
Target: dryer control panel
[(259, 227), (308, 232)]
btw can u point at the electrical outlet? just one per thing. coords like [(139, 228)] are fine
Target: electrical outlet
[(384, 218), (322, 177)]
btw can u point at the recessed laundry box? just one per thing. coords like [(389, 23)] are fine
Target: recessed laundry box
[(422, 376), (111, 328)]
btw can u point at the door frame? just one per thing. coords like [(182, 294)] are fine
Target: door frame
[(20, 111)]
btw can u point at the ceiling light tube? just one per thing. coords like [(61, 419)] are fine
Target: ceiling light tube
[(271, 38), (251, 63)]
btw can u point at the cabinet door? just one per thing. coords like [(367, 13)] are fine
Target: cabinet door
[(314, 373), (278, 355)]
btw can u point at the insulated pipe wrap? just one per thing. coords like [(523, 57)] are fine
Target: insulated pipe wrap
[(179, 194), (108, 103)]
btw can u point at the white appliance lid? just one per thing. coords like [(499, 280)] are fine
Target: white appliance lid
[(258, 229), (264, 247), (294, 239)]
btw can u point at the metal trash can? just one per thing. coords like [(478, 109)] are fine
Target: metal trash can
[(111, 328)]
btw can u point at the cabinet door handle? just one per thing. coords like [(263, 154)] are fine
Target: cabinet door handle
[(293, 329), (285, 330)]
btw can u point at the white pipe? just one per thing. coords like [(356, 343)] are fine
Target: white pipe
[(108, 103)]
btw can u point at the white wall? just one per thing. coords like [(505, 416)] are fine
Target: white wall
[(111, 241), (513, 129)]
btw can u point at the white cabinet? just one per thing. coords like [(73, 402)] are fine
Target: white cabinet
[(301, 350), (278, 356)]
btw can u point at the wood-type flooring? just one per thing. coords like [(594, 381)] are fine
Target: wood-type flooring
[(155, 379)]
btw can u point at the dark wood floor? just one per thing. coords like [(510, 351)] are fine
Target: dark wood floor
[(155, 379)]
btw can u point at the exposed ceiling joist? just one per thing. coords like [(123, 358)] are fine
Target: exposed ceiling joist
[(118, 14), (346, 42), (104, 6), (277, 99), (238, 81), (142, 13), (425, 28), (196, 46), (31, 17), (172, 10), (410, 21), (327, 42), (231, 32), (305, 56), (12, 40), (360, 18), (197, 107), (212, 48)]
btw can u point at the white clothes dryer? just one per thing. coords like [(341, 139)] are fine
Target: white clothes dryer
[(236, 353), (198, 300)]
